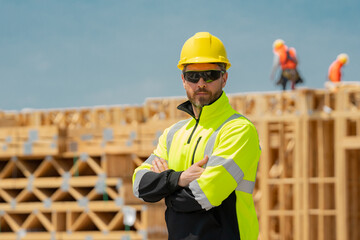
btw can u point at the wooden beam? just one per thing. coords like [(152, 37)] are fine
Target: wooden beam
[(340, 187)]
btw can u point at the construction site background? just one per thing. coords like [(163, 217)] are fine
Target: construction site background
[(66, 173)]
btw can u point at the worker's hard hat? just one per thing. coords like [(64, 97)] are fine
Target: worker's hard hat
[(203, 48), (343, 57), (278, 43)]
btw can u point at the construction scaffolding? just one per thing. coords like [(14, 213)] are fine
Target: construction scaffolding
[(66, 173)]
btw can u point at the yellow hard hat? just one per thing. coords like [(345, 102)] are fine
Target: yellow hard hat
[(278, 42), (343, 57), (203, 48)]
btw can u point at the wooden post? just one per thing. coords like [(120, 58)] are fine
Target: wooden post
[(263, 174), (305, 171), (298, 186), (340, 186)]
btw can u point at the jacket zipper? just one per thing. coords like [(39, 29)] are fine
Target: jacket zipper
[(192, 133), (193, 157)]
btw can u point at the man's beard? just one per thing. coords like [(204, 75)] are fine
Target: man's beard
[(201, 101)]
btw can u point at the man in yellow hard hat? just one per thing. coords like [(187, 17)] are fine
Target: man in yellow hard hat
[(205, 167)]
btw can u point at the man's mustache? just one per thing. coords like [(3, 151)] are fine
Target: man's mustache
[(202, 91)]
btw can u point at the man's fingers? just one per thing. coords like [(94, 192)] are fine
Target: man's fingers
[(164, 163), (159, 165), (155, 166), (203, 161), (154, 169)]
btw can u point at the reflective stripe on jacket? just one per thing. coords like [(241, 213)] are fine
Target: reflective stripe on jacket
[(334, 72), (219, 204)]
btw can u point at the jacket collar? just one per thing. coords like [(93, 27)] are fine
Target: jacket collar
[(213, 110)]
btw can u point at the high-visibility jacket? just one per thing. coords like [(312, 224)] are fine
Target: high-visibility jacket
[(219, 204), (334, 72), (287, 57)]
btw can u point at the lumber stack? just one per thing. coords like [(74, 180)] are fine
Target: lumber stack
[(66, 173)]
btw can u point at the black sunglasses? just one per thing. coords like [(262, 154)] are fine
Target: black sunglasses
[(208, 76)]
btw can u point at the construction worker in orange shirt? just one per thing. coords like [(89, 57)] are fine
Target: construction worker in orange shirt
[(334, 73), (335, 76), (285, 57)]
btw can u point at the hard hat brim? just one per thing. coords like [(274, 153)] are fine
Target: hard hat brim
[(202, 60)]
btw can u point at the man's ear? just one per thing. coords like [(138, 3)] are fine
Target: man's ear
[(224, 77)]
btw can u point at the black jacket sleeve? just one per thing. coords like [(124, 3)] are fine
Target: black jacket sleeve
[(155, 186), (183, 200)]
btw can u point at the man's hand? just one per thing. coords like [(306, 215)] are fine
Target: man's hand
[(159, 165), (192, 173)]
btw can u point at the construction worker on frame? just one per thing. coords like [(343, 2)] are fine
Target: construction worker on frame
[(335, 75), (286, 58), (334, 72), (205, 166)]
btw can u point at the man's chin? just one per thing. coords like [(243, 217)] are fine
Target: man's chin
[(202, 103)]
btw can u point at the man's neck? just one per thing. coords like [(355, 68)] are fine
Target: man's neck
[(197, 111)]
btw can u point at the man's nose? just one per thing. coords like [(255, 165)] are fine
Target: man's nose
[(201, 83)]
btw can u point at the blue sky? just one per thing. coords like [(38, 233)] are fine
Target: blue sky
[(62, 54)]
